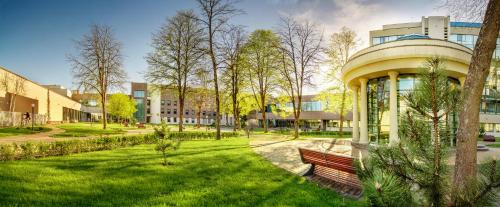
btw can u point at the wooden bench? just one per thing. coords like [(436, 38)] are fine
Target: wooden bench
[(333, 171), (141, 126), (489, 138)]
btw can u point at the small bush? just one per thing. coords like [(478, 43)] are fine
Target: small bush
[(323, 133), (7, 152), (27, 150), (200, 135)]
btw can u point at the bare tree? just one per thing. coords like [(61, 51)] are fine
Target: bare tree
[(201, 93), (262, 59), (98, 66), (176, 55), (14, 85), (215, 15), (233, 42), (466, 155), (342, 45), (301, 49)]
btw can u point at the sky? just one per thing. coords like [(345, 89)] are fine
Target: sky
[(36, 36)]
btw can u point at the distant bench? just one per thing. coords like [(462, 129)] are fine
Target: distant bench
[(334, 171), (489, 138), (141, 126)]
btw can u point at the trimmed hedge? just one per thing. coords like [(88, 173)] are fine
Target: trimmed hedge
[(30, 150), (201, 135), (323, 133), (312, 133)]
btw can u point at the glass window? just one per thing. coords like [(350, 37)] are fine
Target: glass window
[(139, 94), (139, 114), (175, 111), (92, 102), (405, 83), (489, 127), (187, 112), (162, 102), (168, 102)]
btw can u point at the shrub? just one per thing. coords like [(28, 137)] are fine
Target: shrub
[(7, 152), (200, 135), (27, 150), (43, 149)]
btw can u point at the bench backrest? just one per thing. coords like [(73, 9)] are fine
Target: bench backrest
[(338, 162)]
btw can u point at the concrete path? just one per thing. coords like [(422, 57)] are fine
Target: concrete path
[(284, 153)]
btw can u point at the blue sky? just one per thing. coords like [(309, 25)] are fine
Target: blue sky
[(36, 35)]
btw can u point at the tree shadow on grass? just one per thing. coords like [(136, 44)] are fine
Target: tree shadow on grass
[(211, 174)]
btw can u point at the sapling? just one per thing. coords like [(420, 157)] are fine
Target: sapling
[(165, 142)]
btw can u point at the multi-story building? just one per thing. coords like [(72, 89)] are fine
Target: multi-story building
[(52, 103), (155, 104), (313, 116), (379, 74)]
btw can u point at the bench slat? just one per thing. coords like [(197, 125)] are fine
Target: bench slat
[(336, 170)]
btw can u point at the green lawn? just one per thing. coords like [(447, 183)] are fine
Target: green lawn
[(13, 131), (85, 129), (493, 145), (204, 173)]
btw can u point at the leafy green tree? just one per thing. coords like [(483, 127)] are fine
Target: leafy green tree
[(121, 106), (342, 46), (176, 55), (261, 60), (335, 99)]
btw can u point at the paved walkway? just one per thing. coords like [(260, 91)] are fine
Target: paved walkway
[(46, 136), (284, 153)]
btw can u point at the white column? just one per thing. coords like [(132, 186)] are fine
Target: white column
[(393, 108), (364, 113), (355, 114)]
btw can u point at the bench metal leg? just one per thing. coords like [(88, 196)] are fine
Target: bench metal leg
[(310, 171)]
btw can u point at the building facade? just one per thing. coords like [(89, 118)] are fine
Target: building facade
[(156, 104), (380, 74), (50, 102), (312, 116)]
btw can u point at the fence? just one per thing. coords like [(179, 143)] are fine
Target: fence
[(15, 119)]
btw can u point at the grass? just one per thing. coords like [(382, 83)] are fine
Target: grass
[(204, 173), (85, 129), (13, 131), (494, 145)]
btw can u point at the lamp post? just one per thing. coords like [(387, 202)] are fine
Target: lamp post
[(32, 116)]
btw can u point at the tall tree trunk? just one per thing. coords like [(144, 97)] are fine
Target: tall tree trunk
[(227, 119), (341, 114), (216, 83), (296, 126), (181, 112), (235, 110), (103, 105), (263, 111), (436, 195), (466, 155), (198, 117)]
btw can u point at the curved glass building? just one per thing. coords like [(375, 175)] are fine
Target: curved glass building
[(380, 74)]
